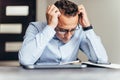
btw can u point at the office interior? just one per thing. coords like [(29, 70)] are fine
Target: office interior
[(104, 15)]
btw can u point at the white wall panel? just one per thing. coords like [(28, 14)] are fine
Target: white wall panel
[(11, 28), (17, 10), (12, 46)]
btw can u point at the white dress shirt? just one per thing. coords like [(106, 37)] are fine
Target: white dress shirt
[(40, 45)]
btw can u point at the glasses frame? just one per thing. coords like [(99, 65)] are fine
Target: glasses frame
[(65, 31)]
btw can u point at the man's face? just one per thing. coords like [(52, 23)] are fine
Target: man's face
[(66, 27)]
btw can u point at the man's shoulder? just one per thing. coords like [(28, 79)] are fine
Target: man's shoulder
[(38, 23)]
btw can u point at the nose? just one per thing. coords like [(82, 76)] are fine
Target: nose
[(68, 35)]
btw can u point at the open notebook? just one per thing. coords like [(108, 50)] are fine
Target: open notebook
[(70, 65)]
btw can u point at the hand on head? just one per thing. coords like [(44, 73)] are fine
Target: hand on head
[(83, 19), (52, 15)]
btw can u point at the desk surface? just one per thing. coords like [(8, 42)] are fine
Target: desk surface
[(92, 73)]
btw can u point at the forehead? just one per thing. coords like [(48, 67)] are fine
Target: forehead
[(67, 21)]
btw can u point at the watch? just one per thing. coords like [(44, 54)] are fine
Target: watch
[(87, 28)]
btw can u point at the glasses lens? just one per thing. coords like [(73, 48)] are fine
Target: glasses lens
[(65, 31), (60, 32)]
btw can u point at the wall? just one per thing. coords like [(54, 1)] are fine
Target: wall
[(41, 9), (104, 16)]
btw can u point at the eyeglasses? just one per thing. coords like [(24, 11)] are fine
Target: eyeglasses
[(65, 31)]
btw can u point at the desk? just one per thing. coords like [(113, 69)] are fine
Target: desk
[(18, 73)]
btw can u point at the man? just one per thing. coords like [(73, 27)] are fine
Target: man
[(67, 30)]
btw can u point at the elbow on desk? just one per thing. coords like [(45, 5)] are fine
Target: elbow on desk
[(24, 60), (100, 60), (103, 60)]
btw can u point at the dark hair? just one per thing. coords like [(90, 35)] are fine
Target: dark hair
[(67, 7)]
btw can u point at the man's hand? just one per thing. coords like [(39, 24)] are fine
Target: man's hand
[(83, 19), (52, 15)]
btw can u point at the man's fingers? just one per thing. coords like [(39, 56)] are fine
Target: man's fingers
[(53, 10), (81, 8), (58, 13), (48, 8)]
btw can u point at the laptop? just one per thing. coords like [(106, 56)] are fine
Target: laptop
[(68, 65)]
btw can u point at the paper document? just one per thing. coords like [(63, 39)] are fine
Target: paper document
[(111, 65)]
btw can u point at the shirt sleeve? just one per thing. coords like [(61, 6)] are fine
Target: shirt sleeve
[(34, 43), (92, 46)]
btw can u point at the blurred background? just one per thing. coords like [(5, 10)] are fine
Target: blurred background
[(104, 15)]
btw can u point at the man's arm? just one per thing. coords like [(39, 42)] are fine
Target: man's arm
[(34, 43), (92, 46)]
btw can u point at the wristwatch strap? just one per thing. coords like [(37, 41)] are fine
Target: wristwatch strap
[(88, 28)]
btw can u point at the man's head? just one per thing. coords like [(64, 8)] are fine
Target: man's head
[(67, 21)]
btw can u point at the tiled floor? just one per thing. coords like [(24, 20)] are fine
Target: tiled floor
[(9, 63)]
